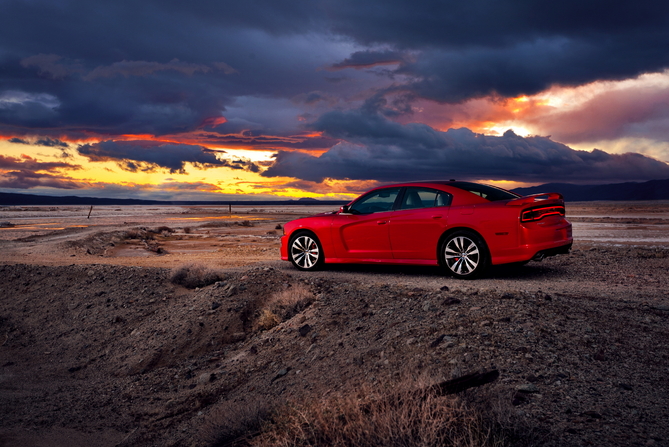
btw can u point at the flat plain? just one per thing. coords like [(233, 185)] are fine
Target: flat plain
[(99, 347)]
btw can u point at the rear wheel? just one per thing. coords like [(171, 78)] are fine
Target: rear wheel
[(464, 254), (305, 251)]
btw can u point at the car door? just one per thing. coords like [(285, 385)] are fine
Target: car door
[(418, 223), (362, 233)]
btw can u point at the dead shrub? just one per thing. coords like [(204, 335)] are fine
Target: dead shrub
[(267, 320), (194, 275), (407, 418), (289, 302), (246, 223)]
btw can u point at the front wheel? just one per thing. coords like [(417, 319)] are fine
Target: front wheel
[(464, 254), (305, 252)]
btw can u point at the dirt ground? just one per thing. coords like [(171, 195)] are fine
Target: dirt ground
[(99, 347)]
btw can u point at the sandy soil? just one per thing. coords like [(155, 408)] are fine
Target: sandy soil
[(98, 347)]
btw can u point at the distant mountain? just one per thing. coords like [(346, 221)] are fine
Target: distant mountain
[(651, 190), (12, 199)]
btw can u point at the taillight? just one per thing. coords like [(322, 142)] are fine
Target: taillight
[(534, 214)]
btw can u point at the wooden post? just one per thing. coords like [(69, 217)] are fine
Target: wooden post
[(230, 208), (89, 212)]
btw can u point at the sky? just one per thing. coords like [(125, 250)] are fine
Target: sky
[(260, 99)]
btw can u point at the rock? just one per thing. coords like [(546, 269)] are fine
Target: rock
[(519, 398), (508, 296), (239, 336), (215, 305), (304, 330), (451, 301), (205, 378), (661, 307), (625, 386), (281, 373), (444, 288), (600, 356), (528, 388), (436, 342)]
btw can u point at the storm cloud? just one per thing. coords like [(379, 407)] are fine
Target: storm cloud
[(26, 173), (175, 64), (375, 148), (145, 156)]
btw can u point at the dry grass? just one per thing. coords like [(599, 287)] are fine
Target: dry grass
[(407, 418), (282, 306), (194, 275), (267, 320)]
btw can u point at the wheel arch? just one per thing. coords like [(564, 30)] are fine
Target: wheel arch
[(298, 232), (450, 231)]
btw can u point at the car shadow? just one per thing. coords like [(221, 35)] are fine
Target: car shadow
[(528, 271)]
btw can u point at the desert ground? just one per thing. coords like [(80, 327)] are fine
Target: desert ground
[(101, 344)]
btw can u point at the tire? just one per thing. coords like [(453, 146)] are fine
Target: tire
[(305, 251), (464, 255)]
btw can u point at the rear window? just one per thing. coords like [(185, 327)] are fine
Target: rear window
[(487, 192)]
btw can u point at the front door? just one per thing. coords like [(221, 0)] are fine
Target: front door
[(363, 232)]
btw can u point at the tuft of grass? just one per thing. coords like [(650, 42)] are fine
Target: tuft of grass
[(286, 304), (267, 320), (411, 417), (194, 275)]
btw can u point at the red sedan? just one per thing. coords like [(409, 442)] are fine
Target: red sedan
[(462, 226)]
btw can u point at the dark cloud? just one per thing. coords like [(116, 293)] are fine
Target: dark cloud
[(375, 148), (30, 164), (156, 77), (51, 142), (367, 59), (26, 172), (149, 156), (28, 179), (18, 141)]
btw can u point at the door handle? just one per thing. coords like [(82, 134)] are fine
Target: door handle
[(438, 216), (381, 222)]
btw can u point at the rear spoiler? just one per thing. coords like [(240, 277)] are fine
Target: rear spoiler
[(535, 198)]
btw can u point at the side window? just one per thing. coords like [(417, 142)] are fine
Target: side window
[(424, 198), (376, 202)]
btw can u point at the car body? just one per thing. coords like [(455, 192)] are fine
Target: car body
[(462, 226)]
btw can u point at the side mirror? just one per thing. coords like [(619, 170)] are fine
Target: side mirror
[(344, 210)]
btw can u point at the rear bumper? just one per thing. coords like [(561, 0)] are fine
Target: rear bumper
[(563, 250), (550, 237)]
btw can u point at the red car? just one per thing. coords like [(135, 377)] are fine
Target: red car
[(462, 226)]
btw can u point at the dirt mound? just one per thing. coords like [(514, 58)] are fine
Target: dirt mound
[(113, 355)]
